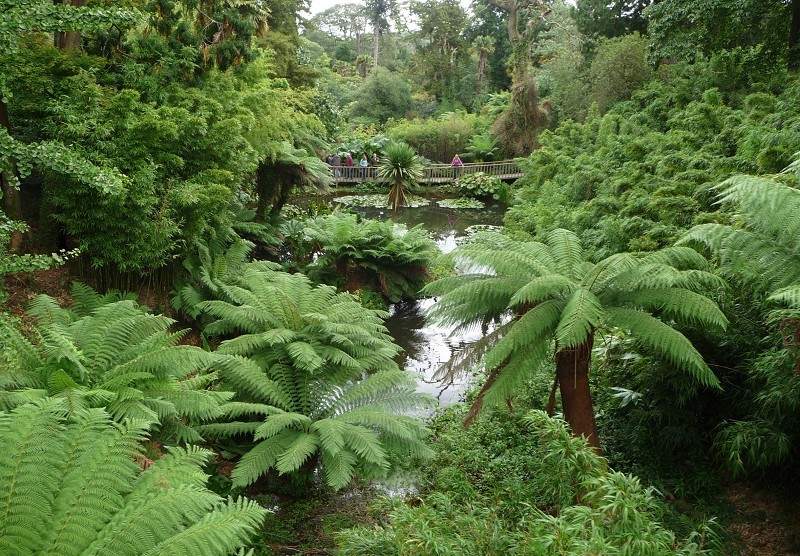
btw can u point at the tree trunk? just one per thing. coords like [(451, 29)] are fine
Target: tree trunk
[(264, 191), (794, 37), (481, 71), (572, 368), (12, 203), (68, 40), (376, 37)]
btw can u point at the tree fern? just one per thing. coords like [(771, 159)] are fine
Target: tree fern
[(108, 351), (765, 248), (73, 488), (552, 294), (315, 373)]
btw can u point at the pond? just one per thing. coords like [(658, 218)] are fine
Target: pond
[(426, 347)]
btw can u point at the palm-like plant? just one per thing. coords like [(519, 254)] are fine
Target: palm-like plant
[(74, 488), (403, 168), (554, 295), (107, 351), (316, 379)]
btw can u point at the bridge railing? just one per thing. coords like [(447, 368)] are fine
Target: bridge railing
[(434, 173)]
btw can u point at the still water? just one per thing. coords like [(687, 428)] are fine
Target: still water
[(426, 347)]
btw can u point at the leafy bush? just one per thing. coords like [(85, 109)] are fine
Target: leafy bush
[(107, 351), (482, 185), (618, 69), (316, 382), (383, 95), (531, 511), (75, 487), (637, 177), (441, 138)]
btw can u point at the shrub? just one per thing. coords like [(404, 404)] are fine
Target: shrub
[(482, 185), (386, 258)]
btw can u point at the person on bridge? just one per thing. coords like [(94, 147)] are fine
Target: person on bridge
[(336, 162), (373, 162), (456, 164), (349, 166), (363, 163)]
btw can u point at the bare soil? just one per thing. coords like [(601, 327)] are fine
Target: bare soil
[(766, 522)]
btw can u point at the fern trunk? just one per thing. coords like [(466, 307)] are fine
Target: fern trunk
[(572, 368)]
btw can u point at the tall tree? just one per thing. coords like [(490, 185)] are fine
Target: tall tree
[(380, 11), (520, 122), (555, 296), (484, 45), (684, 29), (440, 45)]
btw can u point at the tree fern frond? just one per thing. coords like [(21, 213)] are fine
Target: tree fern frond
[(665, 341), (219, 532), (46, 310), (72, 489), (567, 252), (789, 295), (580, 316), (278, 422), (541, 288), (679, 304), (536, 324), (679, 257), (297, 452), (770, 208), (260, 459), (31, 468), (338, 468)]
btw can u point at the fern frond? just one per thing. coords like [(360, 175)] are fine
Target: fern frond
[(541, 288), (679, 304), (565, 247), (297, 452), (536, 324), (260, 459), (580, 316), (790, 296), (278, 422), (219, 532), (665, 341)]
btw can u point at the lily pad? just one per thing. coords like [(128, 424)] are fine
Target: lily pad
[(379, 201), (461, 203)]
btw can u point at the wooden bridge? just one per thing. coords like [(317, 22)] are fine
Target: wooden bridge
[(435, 173)]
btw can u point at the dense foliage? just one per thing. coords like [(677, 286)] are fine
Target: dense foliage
[(154, 147), (75, 487)]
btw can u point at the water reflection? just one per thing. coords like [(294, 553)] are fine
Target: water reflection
[(426, 346)]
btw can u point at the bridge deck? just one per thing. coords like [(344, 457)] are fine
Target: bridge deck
[(433, 174)]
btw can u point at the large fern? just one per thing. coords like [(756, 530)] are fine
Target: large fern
[(765, 248), (316, 381), (367, 253), (762, 250), (554, 295), (74, 488), (109, 352)]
